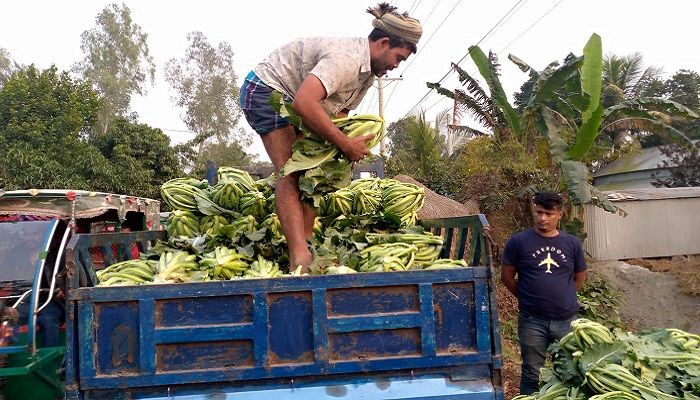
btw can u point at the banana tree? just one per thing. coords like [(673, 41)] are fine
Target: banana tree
[(564, 108), (584, 106)]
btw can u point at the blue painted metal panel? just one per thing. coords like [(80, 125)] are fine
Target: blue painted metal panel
[(455, 329), (290, 319), (116, 329), (427, 319), (260, 306), (272, 331), (239, 333), (147, 330), (375, 322), (372, 300)]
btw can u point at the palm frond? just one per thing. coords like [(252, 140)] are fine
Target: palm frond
[(466, 130), (474, 89), (475, 109), (442, 118), (647, 77)]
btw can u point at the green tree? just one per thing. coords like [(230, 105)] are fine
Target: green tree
[(418, 149), (44, 116), (6, 66), (684, 164), (684, 88), (205, 83), (45, 120), (625, 77), (396, 132), (141, 155), (116, 61), (565, 107)]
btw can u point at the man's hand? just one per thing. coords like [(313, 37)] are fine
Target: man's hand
[(356, 149), (307, 102)]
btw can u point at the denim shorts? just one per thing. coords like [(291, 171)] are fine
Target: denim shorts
[(254, 101)]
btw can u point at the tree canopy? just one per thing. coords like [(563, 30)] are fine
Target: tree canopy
[(116, 61), (45, 117), (206, 90)]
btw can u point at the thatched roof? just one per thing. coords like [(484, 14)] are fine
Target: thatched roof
[(438, 206)]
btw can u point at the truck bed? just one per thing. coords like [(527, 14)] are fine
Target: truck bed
[(269, 336)]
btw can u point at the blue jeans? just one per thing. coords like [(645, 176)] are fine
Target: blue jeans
[(535, 336)]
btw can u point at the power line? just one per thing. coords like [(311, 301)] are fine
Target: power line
[(531, 26), (177, 130), (425, 21), (368, 105), (510, 16), (442, 98), (466, 55), (423, 47), (416, 3)]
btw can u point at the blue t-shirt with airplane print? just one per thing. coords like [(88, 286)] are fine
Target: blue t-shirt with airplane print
[(545, 268)]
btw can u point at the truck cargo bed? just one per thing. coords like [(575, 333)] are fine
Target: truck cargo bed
[(308, 333)]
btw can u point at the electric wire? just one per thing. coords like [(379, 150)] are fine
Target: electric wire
[(465, 56)]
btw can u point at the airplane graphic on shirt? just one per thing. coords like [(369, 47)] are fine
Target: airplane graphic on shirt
[(548, 262)]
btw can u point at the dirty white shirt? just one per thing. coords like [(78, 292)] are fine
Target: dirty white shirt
[(341, 64)]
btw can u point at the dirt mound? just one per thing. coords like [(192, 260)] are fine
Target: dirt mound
[(651, 299), (685, 269)]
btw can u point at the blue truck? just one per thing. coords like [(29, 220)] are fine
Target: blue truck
[(428, 334)]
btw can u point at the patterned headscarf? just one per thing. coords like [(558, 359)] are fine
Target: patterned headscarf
[(393, 23)]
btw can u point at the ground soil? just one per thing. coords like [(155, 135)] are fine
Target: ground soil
[(656, 299)]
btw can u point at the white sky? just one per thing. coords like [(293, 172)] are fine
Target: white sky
[(667, 33)]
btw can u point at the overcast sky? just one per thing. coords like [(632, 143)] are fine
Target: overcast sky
[(537, 31)]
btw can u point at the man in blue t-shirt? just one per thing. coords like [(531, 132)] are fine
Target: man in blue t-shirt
[(550, 267)]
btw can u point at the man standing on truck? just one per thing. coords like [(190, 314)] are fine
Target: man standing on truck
[(550, 267), (322, 77)]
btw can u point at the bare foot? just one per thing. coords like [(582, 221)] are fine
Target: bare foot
[(301, 266)]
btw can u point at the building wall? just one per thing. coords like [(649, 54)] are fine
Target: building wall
[(652, 228)]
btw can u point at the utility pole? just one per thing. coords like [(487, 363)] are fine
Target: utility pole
[(380, 88)]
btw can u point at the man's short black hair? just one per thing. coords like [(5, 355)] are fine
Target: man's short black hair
[(394, 41), (548, 200)]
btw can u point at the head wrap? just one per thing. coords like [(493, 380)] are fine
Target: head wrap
[(395, 24)]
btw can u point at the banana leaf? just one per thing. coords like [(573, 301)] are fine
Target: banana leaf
[(523, 66), (586, 135), (498, 95), (669, 107), (553, 78), (592, 74), (575, 173)]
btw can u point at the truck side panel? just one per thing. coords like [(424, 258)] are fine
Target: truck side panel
[(255, 329)]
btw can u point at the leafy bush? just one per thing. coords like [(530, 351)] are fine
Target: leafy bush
[(600, 302)]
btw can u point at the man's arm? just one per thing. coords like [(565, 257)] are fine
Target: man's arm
[(579, 279), (508, 278), (307, 102)]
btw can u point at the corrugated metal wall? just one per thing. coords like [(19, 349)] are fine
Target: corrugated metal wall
[(653, 228)]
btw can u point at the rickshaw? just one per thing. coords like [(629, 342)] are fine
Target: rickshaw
[(35, 226)]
